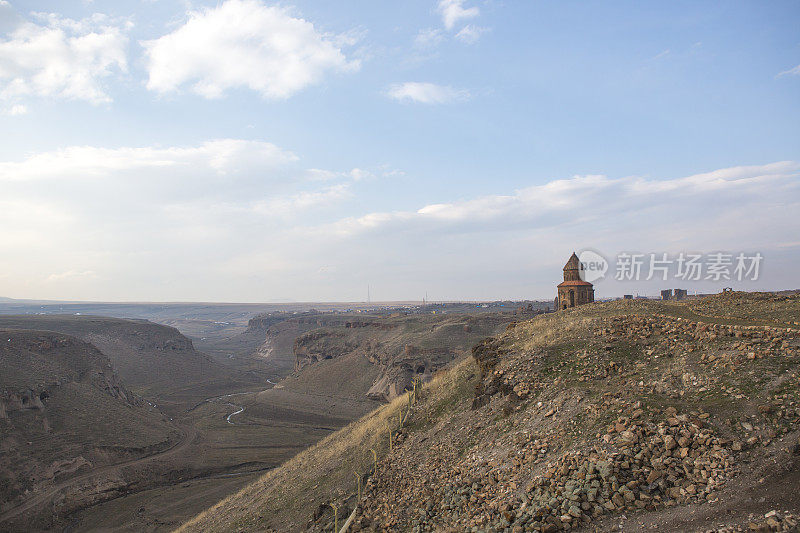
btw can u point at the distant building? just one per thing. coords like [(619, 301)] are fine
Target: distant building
[(525, 310), (674, 294), (573, 291), (627, 296)]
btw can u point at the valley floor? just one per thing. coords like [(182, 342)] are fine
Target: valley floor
[(209, 425)]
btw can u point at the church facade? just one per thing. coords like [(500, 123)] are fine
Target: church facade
[(574, 291)]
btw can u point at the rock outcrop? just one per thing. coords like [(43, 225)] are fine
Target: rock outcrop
[(402, 347), (63, 411), (148, 357)]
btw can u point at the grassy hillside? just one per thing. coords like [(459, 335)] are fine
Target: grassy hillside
[(666, 416)]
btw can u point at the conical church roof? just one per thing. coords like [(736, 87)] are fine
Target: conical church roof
[(572, 273), (574, 263)]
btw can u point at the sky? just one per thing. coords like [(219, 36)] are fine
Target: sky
[(253, 151)]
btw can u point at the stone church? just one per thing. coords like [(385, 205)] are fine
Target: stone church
[(573, 291)]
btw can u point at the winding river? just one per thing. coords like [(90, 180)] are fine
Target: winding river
[(239, 409)]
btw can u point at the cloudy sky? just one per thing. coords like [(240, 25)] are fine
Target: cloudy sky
[(246, 150)]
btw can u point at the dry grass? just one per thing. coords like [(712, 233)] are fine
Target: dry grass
[(321, 474), (286, 497), (547, 329)]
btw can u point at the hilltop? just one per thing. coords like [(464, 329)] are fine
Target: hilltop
[(675, 416)]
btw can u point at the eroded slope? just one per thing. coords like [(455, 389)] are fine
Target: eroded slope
[(397, 348), (154, 360), (64, 412)]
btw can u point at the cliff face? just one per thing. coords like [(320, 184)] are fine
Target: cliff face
[(63, 410), (150, 358), (261, 323), (319, 345), (35, 396), (36, 362), (402, 348), (275, 351)]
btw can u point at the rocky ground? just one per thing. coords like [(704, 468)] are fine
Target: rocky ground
[(625, 415)]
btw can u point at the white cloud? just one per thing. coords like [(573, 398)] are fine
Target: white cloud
[(392, 173), (72, 275), (218, 157), (514, 245), (244, 43), (164, 221), (319, 174), (427, 93), (355, 174), (791, 72), (592, 197), (242, 220), (470, 34), (303, 201), (62, 58), (661, 55), (453, 12), (359, 174), (428, 38), (225, 176)]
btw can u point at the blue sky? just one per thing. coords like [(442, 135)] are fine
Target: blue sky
[(252, 151)]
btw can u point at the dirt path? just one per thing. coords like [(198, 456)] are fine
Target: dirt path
[(190, 433)]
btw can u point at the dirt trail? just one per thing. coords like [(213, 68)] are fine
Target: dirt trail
[(190, 433)]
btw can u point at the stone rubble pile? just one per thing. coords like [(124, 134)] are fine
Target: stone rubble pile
[(641, 466), (674, 462), (767, 340)]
